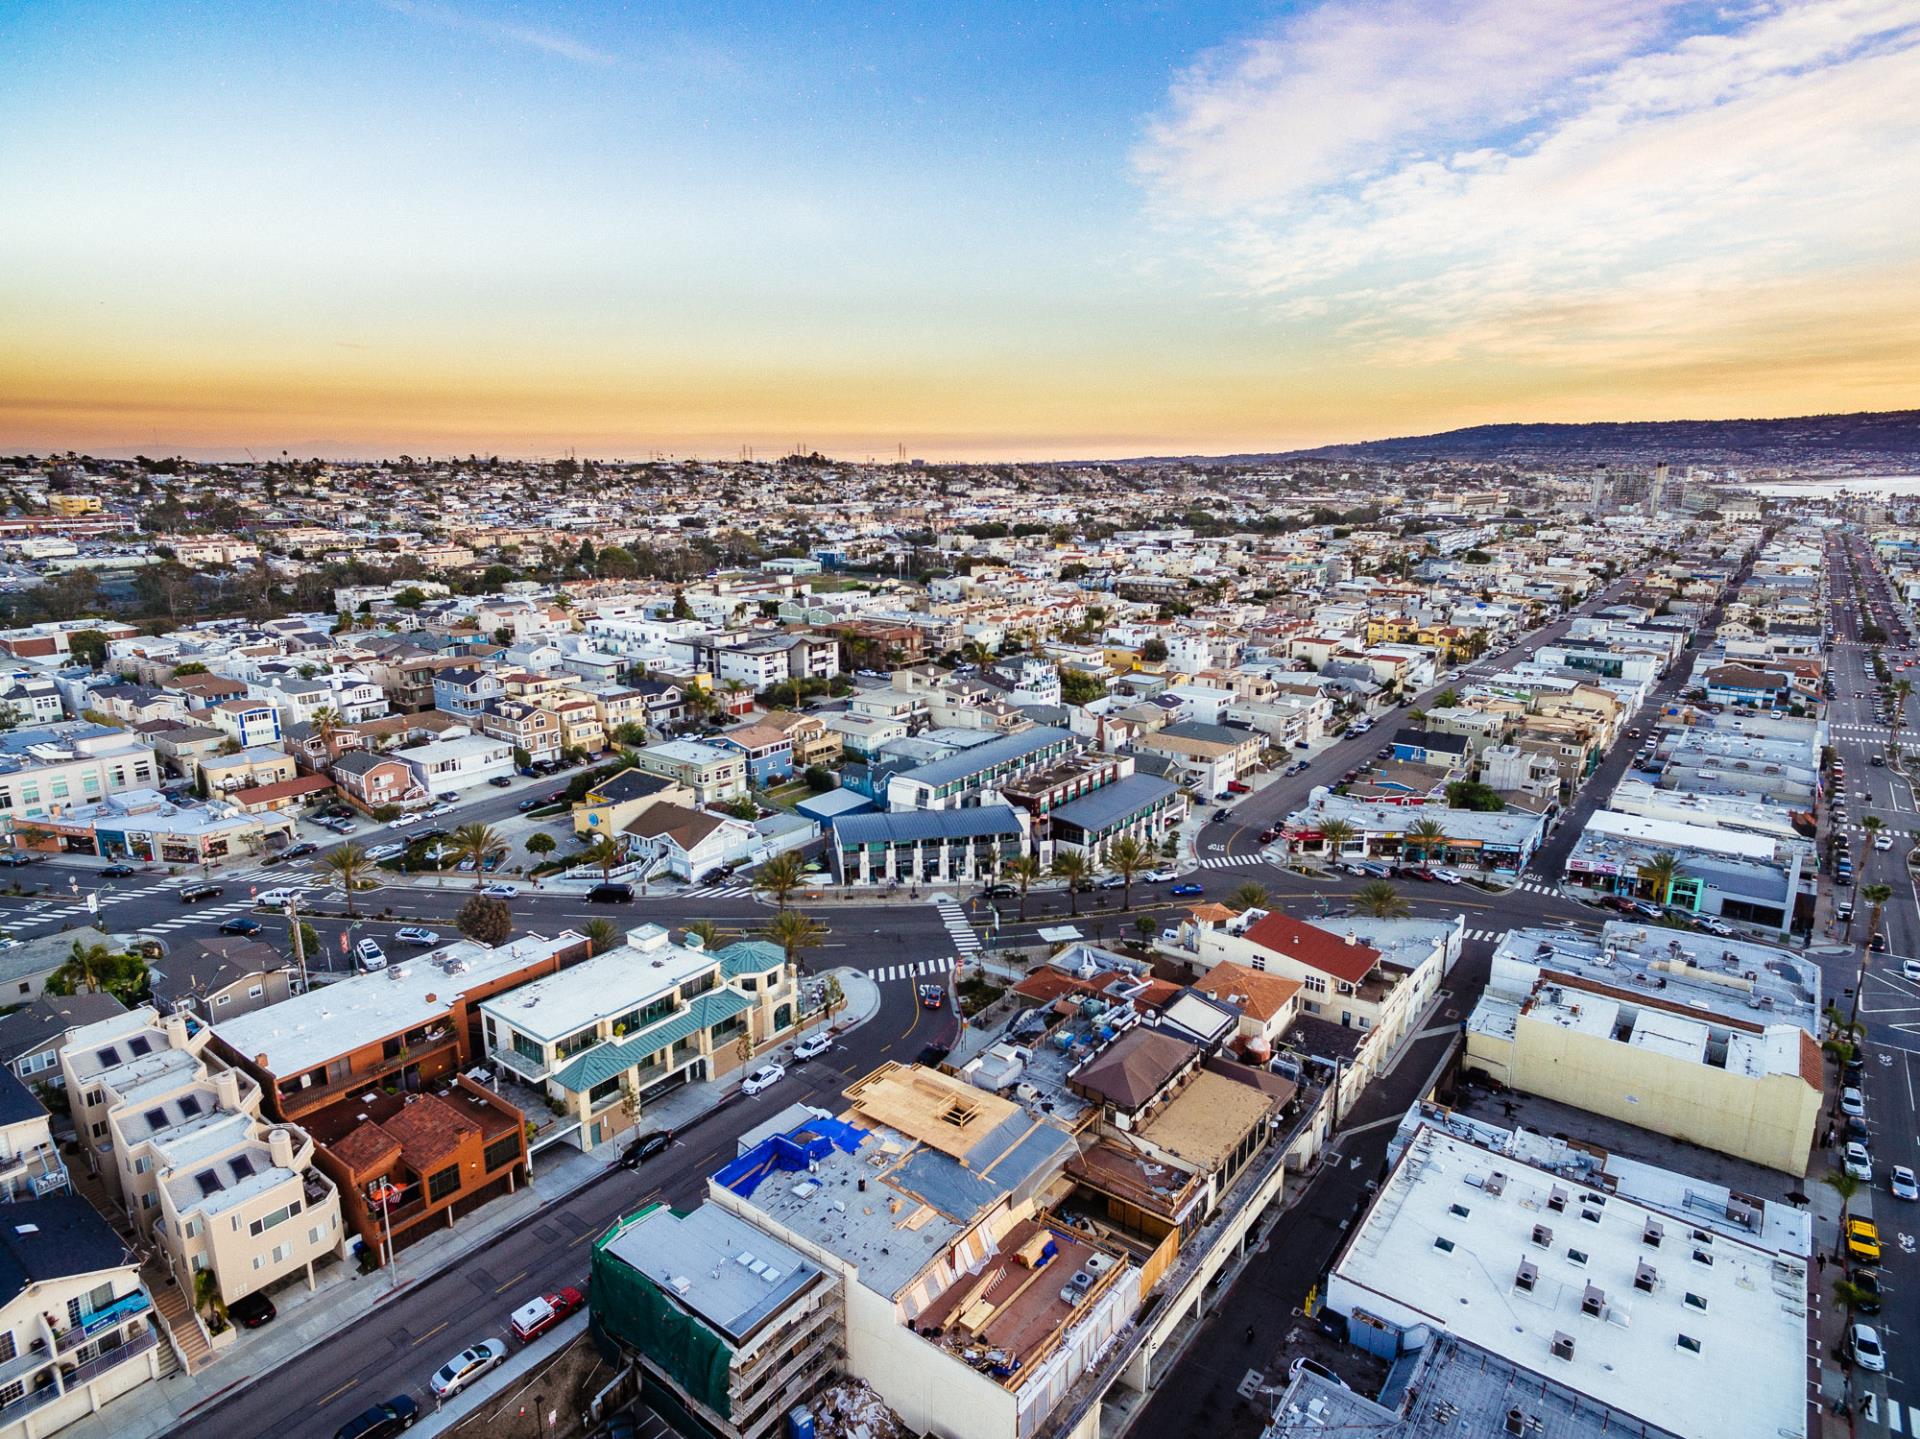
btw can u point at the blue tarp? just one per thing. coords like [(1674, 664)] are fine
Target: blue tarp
[(789, 1153)]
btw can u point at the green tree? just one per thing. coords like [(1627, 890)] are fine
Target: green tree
[(707, 932), (617, 563), (97, 967), (1076, 869), (1154, 651), (540, 844), (89, 647), (1251, 895), (780, 876), (1473, 795), (794, 931), (681, 609), (350, 868), (601, 935), (605, 852), (481, 844), (1127, 857), (1379, 900), (819, 778), (1023, 872), (485, 920), (1336, 835), (1876, 895), (1425, 835), (1657, 874)]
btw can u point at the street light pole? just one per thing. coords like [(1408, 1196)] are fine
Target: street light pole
[(299, 945)]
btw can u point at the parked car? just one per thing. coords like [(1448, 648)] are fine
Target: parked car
[(13, 859), (1446, 876), (378, 852), (1867, 1281), (765, 1077), (814, 1045), (369, 955), (413, 934), (1187, 890), (1159, 876), (501, 781), (1863, 1239), (466, 1366), (1858, 1162), (437, 811), (118, 871), (528, 804), (195, 893), (932, 996), (240, 924), (404, 821), (537, 1316), (1902, 1184), (1234, 786), (1304, 1365), (250, 1311), (499, 891), (1863, 1341), (382, 1421), (643, 1148), (1109, 881), (1910, 969), (610, 894), (301, 850)]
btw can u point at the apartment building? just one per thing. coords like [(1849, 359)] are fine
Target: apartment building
[(76, 1323), (466, 690), (711, 773), (767, 750), (609, 1035), (1710, 1040), (1210, 756), (30, 1163), (248, 723), (182, 1147), (523, 724), (459, 763), (973, 775), (48, 770)]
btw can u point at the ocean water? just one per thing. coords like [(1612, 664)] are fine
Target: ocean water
[(1859, 485)]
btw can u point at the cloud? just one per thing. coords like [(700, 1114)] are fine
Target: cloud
[(548, 42), (1549, 183)]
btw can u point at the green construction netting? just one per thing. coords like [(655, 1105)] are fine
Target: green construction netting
[(628, 1306)]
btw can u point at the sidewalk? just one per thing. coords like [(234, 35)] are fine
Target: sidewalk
[(343, 1295)]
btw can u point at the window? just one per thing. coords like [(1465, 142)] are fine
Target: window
[(1445, 1246), (1592, 1216), (1697, 1301), (274, 1220), (1701, 1256), (1690, 1344), (255, 991), (221, 999), (502, 1152), (1458, 1211), (446, 1182), (1577, 1256)]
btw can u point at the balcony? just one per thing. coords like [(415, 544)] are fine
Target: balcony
[(101, 1320), (79, 1377), (295, 1102)]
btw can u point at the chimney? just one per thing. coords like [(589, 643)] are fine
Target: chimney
[(1350, 938), (226, 1086), (177, 1030), (433, 999), (280, 1146)]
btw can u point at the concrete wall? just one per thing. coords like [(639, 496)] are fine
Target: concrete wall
[(1769, 1120), (931, 1390)]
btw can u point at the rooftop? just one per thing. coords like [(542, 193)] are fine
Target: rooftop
[(604, 987), (712, 1263), (309, 1029), (1586, 1288)]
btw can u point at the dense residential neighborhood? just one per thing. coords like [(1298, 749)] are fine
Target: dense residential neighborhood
[(1367, 929)]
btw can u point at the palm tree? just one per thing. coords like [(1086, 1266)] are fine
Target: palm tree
[(480, 843), (1337, 834), (1876, 895), (781, 876), (1898, 712), (349, 865), (1426, 833), (1076, 869), (327, 724), (1126, 857), (600, 935), (606, 852), (794, 931), (89, 966), (1251, 895), (1844, 1185), (1380, 900), (1023, 872), (1852, 1295), (707, 932), (1658, 872)]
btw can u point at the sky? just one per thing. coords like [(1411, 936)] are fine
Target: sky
[(978, 231)]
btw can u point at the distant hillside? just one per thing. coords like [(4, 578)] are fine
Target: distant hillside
[(1865, 440)]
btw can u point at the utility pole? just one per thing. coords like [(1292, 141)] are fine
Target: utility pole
[(299, 945)]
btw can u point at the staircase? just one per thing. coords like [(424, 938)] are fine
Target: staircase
[(190, 1342)]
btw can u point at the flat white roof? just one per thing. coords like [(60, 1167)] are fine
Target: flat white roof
[(1673, 835), (1715, 1344), (604, 987), (309, 1029)]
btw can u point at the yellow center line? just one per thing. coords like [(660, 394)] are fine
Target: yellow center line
[(511, 1282), (326, 1399), (430, 1333), (590, 1234)]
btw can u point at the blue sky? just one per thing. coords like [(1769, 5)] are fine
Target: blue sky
[(974, 229)]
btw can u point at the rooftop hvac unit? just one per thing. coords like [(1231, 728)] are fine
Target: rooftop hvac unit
[(1072, 1296)]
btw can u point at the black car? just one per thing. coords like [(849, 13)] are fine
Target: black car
[(501, 781), (1867, 1281), (610, 894), (118, 871), (1878, 944), (529, 804), (251, 1311), (13, 859), (194, 893), (240, 924), (268, 861), (640, 1150), (1001, 891), (302, 849), (382, 1420)]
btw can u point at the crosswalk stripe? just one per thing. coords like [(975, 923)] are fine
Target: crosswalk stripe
[(1893, 1416)]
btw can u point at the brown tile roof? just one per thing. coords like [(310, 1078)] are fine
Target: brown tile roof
[(667, 820), (367, 1151), (430, 1131), (1135, 1067), (283, 789), (1260, 995), (1310, 945)]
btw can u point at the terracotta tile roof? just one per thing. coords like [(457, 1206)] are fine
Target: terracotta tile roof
[(1260, 995), (283, 789), (1212, 913), (367, 1150), (1328, 953), (429, 1131)]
